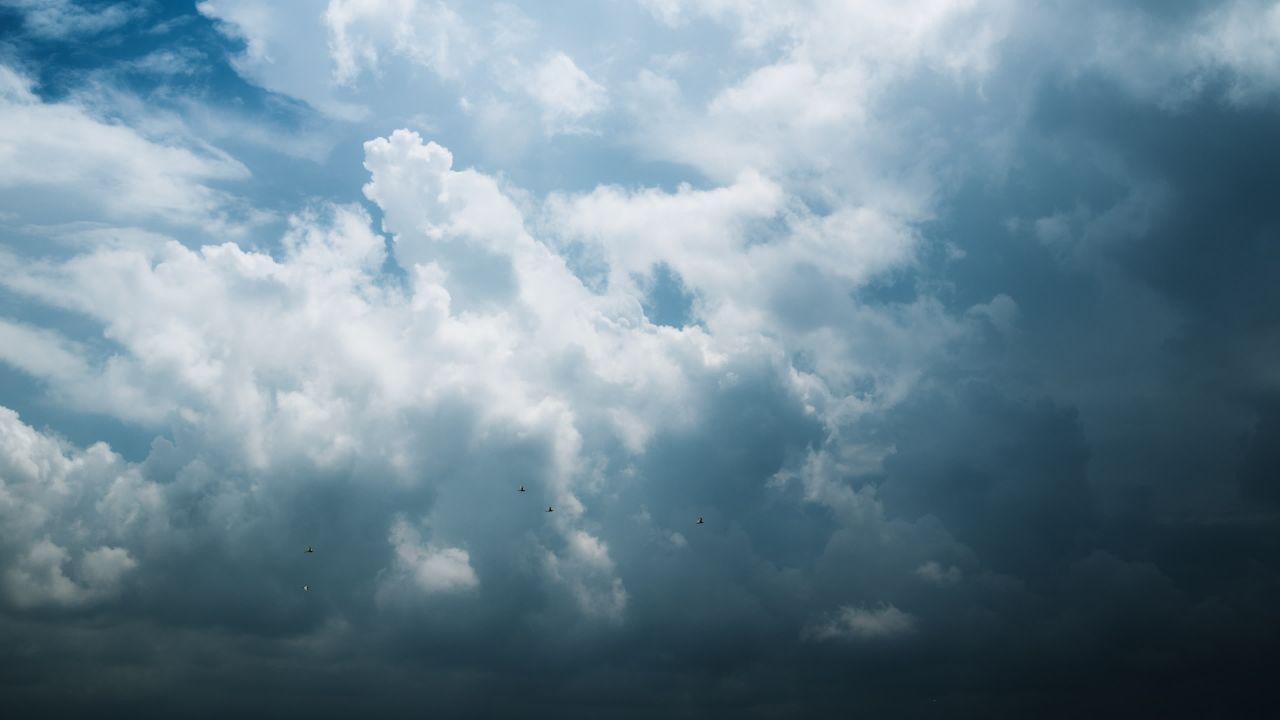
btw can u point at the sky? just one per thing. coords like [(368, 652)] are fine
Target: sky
[(957, 322)]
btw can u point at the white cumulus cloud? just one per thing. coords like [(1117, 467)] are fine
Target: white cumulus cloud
[(858, 623), (51, 552), (566, 94), (430, 569)]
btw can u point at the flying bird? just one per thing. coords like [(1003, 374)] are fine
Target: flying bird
[(306, 588), (521, 489), (309, 549), (699, 520), (550, 509)]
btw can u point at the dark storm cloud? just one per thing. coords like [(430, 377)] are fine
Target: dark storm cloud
[(1008, 479), (1152, 342), (1212, 253)]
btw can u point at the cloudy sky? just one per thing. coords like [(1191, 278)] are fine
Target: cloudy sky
[(958, 321)]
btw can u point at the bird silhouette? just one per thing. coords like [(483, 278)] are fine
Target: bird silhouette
[(309, 549), (306, 588), (550, 509), (699, 520), (521, 489)]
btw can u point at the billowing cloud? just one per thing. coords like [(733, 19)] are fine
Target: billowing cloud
[(46, 560), (918, 354)]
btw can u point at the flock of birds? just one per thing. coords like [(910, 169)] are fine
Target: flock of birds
[(310, 550)]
